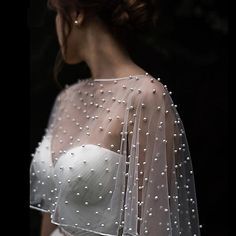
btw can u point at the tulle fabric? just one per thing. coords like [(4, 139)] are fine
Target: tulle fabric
[(124, 140)]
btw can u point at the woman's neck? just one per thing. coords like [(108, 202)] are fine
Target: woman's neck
[(105, 55)]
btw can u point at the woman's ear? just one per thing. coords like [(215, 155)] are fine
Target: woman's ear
[(78, 17)]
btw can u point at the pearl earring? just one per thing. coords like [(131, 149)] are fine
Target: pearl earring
[(76, 22)]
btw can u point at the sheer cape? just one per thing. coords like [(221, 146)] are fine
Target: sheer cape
[(115, 161)]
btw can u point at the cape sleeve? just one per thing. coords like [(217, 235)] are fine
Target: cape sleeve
[(56, 111), (41, 169), (160, 198)]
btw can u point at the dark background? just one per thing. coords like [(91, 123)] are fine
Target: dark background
[(189, 52)]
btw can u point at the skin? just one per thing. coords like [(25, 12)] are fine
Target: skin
[(46, 226), (90, 41)]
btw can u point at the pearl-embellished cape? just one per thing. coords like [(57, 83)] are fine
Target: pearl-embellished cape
[(115, 161)]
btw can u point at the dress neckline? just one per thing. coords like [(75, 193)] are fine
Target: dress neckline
[(117, 78)]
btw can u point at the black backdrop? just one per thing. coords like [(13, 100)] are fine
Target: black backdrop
[(189, 52)]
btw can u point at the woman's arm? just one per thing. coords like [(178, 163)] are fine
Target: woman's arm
[(46, 226)]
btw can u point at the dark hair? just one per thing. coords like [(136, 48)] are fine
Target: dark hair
[(123, 17)]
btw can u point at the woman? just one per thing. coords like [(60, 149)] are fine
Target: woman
[(114, 159)]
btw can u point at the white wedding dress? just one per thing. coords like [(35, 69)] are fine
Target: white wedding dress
[(115, 161), (88, 168)]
